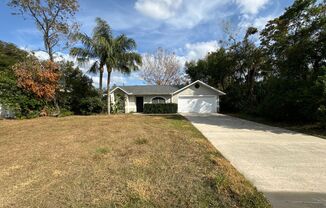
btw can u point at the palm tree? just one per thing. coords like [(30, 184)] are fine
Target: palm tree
[(114, 53), (92, 49), (120, 57)]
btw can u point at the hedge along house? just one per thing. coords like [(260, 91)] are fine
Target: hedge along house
[(196, 97)]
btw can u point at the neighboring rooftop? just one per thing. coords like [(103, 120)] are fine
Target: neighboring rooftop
[(151, 89)]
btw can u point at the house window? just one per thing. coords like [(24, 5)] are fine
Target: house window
[(158, 100)]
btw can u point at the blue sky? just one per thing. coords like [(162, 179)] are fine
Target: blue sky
[(190, 28)]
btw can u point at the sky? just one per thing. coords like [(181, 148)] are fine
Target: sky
[(189, 28)]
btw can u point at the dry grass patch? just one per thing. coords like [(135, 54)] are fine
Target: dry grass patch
[(116, 161)]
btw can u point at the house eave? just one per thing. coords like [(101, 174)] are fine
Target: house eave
[(203, 83), (128, 93)]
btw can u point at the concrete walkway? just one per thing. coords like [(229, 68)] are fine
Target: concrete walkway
[(289, 167)]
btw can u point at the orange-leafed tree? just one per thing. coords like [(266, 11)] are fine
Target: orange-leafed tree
[(39, 77)]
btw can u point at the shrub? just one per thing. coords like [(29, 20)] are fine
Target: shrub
[(91, 105), (64, 112), (291, 100), (160, 108), (322, 116), (25, 105), (119, 105)]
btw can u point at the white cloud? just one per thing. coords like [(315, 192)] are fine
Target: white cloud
[(260, 22), (117, 78), (252, 21), (41, 55), (195, 51), (182, 13), (251, 6), (158, 9)]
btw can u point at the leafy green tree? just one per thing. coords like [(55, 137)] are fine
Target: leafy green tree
[(283, 78), (77, 91), (219, 67), (295, 41), (197, 70), (22, 103), (54, 19), (295, 45), (236, 70)]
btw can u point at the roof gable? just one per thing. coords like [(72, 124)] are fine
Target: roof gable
[(198, 81)]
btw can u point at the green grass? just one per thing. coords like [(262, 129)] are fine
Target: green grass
[(116, 161), (102, 150), (313, 129), (141, 141)]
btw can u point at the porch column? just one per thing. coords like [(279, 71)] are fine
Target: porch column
[(127, 106)]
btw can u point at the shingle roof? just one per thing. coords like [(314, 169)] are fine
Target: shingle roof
[(151, 89)]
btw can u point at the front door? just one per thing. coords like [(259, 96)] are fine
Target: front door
[(140, 104)]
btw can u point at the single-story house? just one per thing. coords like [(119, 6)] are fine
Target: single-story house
[(197, 97)]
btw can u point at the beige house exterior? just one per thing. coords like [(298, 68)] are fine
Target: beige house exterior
[(197, 97)]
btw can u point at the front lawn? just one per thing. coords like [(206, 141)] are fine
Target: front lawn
[(116, 161)]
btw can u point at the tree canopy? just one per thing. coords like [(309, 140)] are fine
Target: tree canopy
[(53, 18), (283, 77), (93, 49)]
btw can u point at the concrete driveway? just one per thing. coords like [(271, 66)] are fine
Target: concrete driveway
[(289, 167)]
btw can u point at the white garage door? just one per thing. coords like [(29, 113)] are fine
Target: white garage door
[(197, 104)]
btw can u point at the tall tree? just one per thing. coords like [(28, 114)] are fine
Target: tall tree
[(92, 48), (162, 68), (116, 53), (295, 44), (120, 57), (52, 18), (248, 61)]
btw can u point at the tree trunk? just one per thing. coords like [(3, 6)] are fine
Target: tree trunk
[(108, 91), (51, 55), (101, 82), (56, 104), (47, 45)]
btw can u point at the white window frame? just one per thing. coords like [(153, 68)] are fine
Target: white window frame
[(158, 97)]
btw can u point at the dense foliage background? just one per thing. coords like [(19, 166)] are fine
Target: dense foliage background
[(75, 95), (283, 77)]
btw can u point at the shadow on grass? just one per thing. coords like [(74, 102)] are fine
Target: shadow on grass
[(168, 116)]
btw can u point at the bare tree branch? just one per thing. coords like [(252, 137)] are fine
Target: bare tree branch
[(162, 68), (52, 18)]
